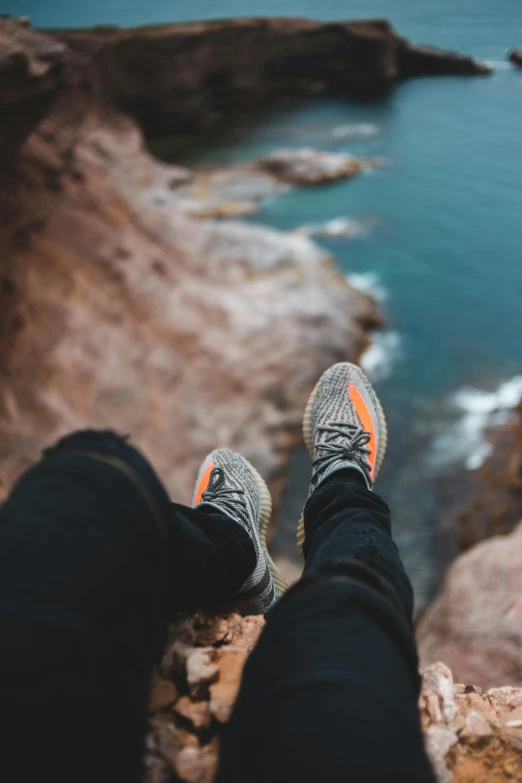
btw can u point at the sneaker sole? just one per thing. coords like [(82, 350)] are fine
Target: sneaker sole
[(307, 434), (281, 585)]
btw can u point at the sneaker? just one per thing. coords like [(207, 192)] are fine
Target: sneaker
[(343, 427), (229, 483)]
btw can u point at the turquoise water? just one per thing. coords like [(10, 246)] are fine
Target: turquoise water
[(443, 221), (443, 246)]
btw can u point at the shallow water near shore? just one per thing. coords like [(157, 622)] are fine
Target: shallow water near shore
[(435, 235)]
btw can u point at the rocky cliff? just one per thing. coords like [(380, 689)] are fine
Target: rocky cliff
[(116, 308), (201, 76), (124, 302), (472, 735), (31, 76)]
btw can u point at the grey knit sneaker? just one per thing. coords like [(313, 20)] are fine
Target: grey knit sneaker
[(228, 482), (343, 427)]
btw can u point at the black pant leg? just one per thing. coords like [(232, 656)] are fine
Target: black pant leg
[(93, 559), (330, 692)]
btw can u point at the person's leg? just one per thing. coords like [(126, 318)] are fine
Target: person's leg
[(93, 560), (330, 692)]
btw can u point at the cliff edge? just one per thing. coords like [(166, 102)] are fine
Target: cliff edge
[(472, 735)]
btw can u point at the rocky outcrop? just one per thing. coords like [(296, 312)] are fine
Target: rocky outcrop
[(201, 76), (192, 695), (515, 56), (118, 309), (310, 167), (475, 623), (31, 74), (472, 736), (241, 188)]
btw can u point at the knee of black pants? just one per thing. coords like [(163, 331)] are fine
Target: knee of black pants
[(344, 520), (81, 550)]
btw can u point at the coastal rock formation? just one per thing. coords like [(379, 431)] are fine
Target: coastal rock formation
[(310, 167), (118, 309), (31, 74), (515, 56), (472, 736), (475, 623), (241, 188), (121, 305), (201, 76)]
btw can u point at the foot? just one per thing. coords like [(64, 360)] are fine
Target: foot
[(229, 483), (343, 427)]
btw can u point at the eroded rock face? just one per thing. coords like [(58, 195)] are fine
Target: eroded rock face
[(472, 735), (475, 623), (31, 74), (197, 77), (193, 693), (119, 310)]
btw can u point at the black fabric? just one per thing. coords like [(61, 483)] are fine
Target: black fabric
[(330, 692), (87, 582), (93, 562)]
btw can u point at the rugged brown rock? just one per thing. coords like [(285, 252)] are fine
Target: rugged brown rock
[(185, 78), (31, 74), (202, 667), (475, 623), (117, 309), (472, 736)]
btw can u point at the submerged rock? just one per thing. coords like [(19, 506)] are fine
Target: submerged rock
[(515, 56), (311, 167), (239, 189)]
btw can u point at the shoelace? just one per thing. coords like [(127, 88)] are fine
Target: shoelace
[(217, 492), (352, 447)]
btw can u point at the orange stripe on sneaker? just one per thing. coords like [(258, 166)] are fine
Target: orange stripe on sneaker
[(366, 420), (203, 484)]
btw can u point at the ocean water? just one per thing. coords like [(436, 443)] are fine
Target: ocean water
[(436, 234)]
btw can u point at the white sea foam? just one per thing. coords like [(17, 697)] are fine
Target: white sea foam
[(464, 440), (380, 358), (355, 130), (346, 227), (370, 283), (500, 65)]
